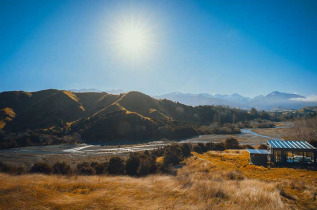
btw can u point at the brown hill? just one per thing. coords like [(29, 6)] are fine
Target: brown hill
[(102, 117)]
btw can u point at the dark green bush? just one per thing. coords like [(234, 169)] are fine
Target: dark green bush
[(232, 143), (85, 169), (42, 168), (116, 166), (173, 155), (147, 166), (219, 147), (247, 146), (61, 168), (210, 146), (101, 168), (186, 149), (132, 164), (262, 146), (197, 149), (202, 147)]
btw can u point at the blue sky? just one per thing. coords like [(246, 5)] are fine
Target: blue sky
[(245, 47)]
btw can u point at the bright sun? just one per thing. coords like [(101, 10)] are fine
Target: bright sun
[(133, 38)]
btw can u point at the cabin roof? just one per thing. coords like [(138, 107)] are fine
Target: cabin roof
[(290, 144), (257, 151)]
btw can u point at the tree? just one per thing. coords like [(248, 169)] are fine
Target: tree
[(203, 147), (101, 168), (147, 166), (172, 155), (42, 168), (210, 146), (197, 149), (85, 169), (219, 147), (231, 143), (262, 146), (186, 150), (116, 166), (254, 113), (132, 164), (61, 168)]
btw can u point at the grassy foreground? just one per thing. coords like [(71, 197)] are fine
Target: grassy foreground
[(217, 180)]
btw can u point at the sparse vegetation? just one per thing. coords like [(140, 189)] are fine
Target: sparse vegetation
[(213, 180)]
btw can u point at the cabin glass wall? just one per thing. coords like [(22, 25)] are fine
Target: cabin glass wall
[(277, 156), (309, 157), (289, 156), (298, 157)]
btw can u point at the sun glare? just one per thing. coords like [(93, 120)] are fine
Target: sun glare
[(133, 38)]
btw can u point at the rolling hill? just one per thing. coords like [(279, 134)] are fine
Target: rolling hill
[(101, 117)]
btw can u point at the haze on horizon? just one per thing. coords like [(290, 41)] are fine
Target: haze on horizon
[(160, 47)]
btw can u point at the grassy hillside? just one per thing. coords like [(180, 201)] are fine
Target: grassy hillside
[(214, 180), (107, 118)]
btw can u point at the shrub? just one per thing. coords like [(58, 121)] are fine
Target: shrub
[(203, 147), (197, 149), (186, 149), (11, 169), (4, 168), (147, 166), (219, 147), (234, 175), (132, 164), (61, 168), (247, 146), (116, 166), (162, 168), (231, 143), (172, 155), (210, 146), (85, 169), (101, 168), (42, 168), (262, 146)]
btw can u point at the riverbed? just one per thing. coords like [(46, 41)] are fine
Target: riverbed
[(84, 152)]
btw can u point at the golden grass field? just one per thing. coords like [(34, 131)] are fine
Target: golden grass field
[(214, 180)]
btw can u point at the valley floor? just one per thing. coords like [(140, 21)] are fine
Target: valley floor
[(217, 180), (73, 154)]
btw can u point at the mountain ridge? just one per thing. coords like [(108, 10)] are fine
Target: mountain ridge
[(268, 102)]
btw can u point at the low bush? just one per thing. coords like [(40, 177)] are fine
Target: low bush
[(246, 146), (132, 164), (197, 149), (42, 168), (173, 155), (116, 166), (147, 166), (186, 149), (219, 147), (210, 146), (85, 169), (10, 169), (202, 147), (101, 168), (262, 146), (61, 168), (231, 143)]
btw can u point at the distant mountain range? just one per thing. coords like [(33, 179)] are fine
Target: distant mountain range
[(273, 101)]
